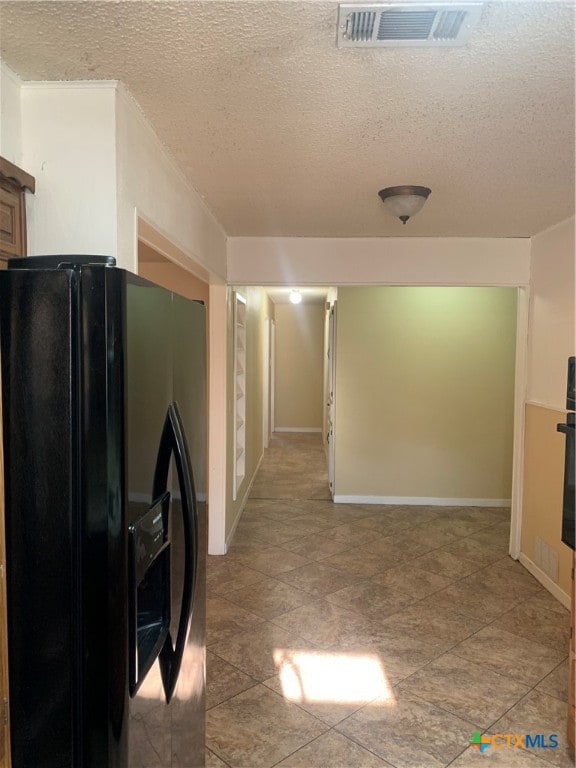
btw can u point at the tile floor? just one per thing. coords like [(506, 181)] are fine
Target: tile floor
[(361, 636)]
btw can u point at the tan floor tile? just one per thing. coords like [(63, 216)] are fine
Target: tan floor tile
[(322, 623), (357, 561), (252, 651), (331, 685), (483, 605), (500, 758), (503, 582), (475, 551), (245, 546), (537, 624), (269, 597), (510, 655), (495, 537), (460, 528), (556, 683), (282, 510), (509, 562), (539, 713), (446, 564), (397, 549), (304, 526), (443, 623), (350, 533), (342, 514), (411, 733), (548, 602), (328, 713), (223, 680), (226, 575), (383, 525), (371, 600), (257, 729), (413, 515), (288, 490), (332, 750), (425, 642), (412, 581), (486, 516), (213, 761), (271, 560), (318, 579), (269, 531), (316, 546), (448, 681), (224, 618), (400, 655), (432, 536)]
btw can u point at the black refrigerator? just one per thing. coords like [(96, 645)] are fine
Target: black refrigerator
[(104, 408)]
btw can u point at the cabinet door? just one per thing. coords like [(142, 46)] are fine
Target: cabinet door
[(12, 221)]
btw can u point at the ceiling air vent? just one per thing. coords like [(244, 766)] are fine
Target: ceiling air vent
[(379, 25)]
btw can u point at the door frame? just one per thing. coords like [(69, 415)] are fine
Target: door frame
[(520, 391), (272, 375), (266, 381), (331, 405)]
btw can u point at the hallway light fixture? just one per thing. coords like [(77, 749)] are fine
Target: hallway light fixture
[(295, 296), (404, 201)]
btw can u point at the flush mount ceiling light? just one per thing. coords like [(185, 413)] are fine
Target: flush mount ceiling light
[(404, 201), (295, 296)]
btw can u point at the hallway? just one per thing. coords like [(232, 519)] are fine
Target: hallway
[(360, 636)]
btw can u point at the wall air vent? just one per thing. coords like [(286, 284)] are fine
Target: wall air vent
[(395, 24)]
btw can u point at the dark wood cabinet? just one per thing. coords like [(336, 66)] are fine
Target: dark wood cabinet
[(13, 185)]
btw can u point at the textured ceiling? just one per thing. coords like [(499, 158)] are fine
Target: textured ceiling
[(283, 133)]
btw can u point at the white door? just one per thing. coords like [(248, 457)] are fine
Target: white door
[(331, 394)]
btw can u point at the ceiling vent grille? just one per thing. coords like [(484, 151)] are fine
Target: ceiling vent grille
[(379, 25)]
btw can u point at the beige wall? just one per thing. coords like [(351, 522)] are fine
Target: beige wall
[(299, 366), (424, 392), (379, 260), (551, 342), (174, 278), (258, 307)]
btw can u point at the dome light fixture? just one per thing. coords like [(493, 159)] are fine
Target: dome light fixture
[(404, 201), (295, 296)]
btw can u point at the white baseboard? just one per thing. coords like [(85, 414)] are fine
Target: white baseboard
[(421, 501), (297, 429), (242, 505), (545, 580)]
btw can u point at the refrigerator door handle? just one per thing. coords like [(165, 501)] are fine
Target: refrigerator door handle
[(173, 442)]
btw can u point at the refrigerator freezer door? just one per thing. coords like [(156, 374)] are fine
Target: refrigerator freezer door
[(43, 567), (165, 374)]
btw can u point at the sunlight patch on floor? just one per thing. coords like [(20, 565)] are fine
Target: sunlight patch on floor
[(323, 677)]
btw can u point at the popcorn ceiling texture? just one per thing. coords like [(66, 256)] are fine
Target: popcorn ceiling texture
[(282, 133)]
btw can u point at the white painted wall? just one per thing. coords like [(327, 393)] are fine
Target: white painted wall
[(10, 116), (151, 185), (378, 261), (551, 334), (68, 145)]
